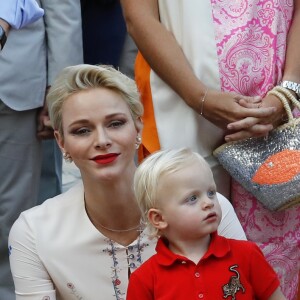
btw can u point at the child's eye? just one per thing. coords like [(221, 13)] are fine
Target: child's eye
[(116, 124), (192, 199), (211, 193)]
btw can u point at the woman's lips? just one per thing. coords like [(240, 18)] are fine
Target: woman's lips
[(105, 159)]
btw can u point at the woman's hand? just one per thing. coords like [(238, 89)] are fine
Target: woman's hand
[(257, 126), (240, 116)]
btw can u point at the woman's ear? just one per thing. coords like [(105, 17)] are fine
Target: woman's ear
[(60, 140), (156, 218), (139, 125)]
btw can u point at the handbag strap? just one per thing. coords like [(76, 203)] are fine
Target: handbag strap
[(282, 93), (288, 94)]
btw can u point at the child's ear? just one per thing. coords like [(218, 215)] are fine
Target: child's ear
[(156, 218)]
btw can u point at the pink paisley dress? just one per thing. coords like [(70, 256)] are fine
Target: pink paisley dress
[(251, 44), (235, 46)]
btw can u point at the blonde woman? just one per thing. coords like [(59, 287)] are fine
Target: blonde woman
[(85, 243)]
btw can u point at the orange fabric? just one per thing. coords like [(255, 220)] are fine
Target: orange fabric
[(278, 168), (150, 140)]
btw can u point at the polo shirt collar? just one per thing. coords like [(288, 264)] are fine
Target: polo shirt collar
[(218, 247)]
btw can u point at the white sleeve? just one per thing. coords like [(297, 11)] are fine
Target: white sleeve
[(230, 226), (31, 279)]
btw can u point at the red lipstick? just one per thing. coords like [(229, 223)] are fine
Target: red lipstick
[(106, 158)]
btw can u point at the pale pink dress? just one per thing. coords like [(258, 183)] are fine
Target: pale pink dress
[(251, 44)]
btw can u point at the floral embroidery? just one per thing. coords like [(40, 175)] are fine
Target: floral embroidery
[(70, 285), (134, 258), (74, 292), (111, 250), (137, 249)]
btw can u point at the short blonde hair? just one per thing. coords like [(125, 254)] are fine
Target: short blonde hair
[(151, 171), (83, 77)]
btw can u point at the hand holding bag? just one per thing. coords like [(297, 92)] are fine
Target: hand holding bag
[(268, 167)]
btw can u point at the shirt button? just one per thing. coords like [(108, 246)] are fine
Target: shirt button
[(200, 296), (197, 274)]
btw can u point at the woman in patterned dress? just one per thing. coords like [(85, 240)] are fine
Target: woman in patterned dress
[(201, 67)]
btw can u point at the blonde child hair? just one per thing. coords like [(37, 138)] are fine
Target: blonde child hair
[(151, 171)]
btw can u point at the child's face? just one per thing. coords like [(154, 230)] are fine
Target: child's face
[(188, 202)]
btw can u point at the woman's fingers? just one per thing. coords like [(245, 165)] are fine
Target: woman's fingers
[(253, 116), (250, 102), (242, 124), (258, 112), (256, 130), (223, 109)]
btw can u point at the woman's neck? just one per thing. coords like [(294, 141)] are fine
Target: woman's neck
[(113, 210)]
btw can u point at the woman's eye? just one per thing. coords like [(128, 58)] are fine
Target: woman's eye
[(211, 193), (81, 131), (192, 199), (116, 124)]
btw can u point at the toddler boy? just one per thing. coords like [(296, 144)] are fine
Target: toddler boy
[(177, 195)]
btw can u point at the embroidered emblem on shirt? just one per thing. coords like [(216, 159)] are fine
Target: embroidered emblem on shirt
[(234, 285), (74, 292)]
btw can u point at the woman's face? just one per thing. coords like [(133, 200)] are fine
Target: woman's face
[(99, 133)]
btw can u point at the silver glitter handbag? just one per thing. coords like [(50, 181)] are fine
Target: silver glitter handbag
[(269, 168)]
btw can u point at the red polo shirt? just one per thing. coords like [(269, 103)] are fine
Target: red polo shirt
[(230, 269)]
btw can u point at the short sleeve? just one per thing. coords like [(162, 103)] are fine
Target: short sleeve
[(263, 278), (230, 226), (30, 277)]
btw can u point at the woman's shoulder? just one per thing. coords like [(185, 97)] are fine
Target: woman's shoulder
[(54, 208), (53, 218)]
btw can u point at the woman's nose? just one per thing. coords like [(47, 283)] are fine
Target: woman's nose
[(102, 139)]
